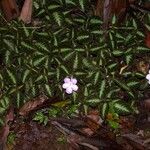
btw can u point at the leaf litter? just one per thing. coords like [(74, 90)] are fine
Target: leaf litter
[(76, 133)]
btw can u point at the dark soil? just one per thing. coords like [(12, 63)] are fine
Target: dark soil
[(33, 136)]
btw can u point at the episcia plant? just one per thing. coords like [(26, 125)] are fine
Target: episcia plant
[(66, 53)]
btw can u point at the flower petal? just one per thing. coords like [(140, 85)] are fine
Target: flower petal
[(74, 87), (69, 90), (148, 77), (73, 80), (66, 80), (66, 85), (149, 82)]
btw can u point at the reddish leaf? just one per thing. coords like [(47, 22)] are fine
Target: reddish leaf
[(147, 39), (26, 11), (119, 8), (10, 9)]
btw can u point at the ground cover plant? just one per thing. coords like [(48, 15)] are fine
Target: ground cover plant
[(67, 57)]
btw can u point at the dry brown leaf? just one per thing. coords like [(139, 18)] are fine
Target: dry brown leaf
[(5, 129), (146, 104), (26, 12), (32, 105), (135, 141), (147, 39), (10, 9), (37, 103), (142, 66)]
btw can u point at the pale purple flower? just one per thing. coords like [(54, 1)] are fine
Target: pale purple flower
[(148, 77), (70, 85)]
